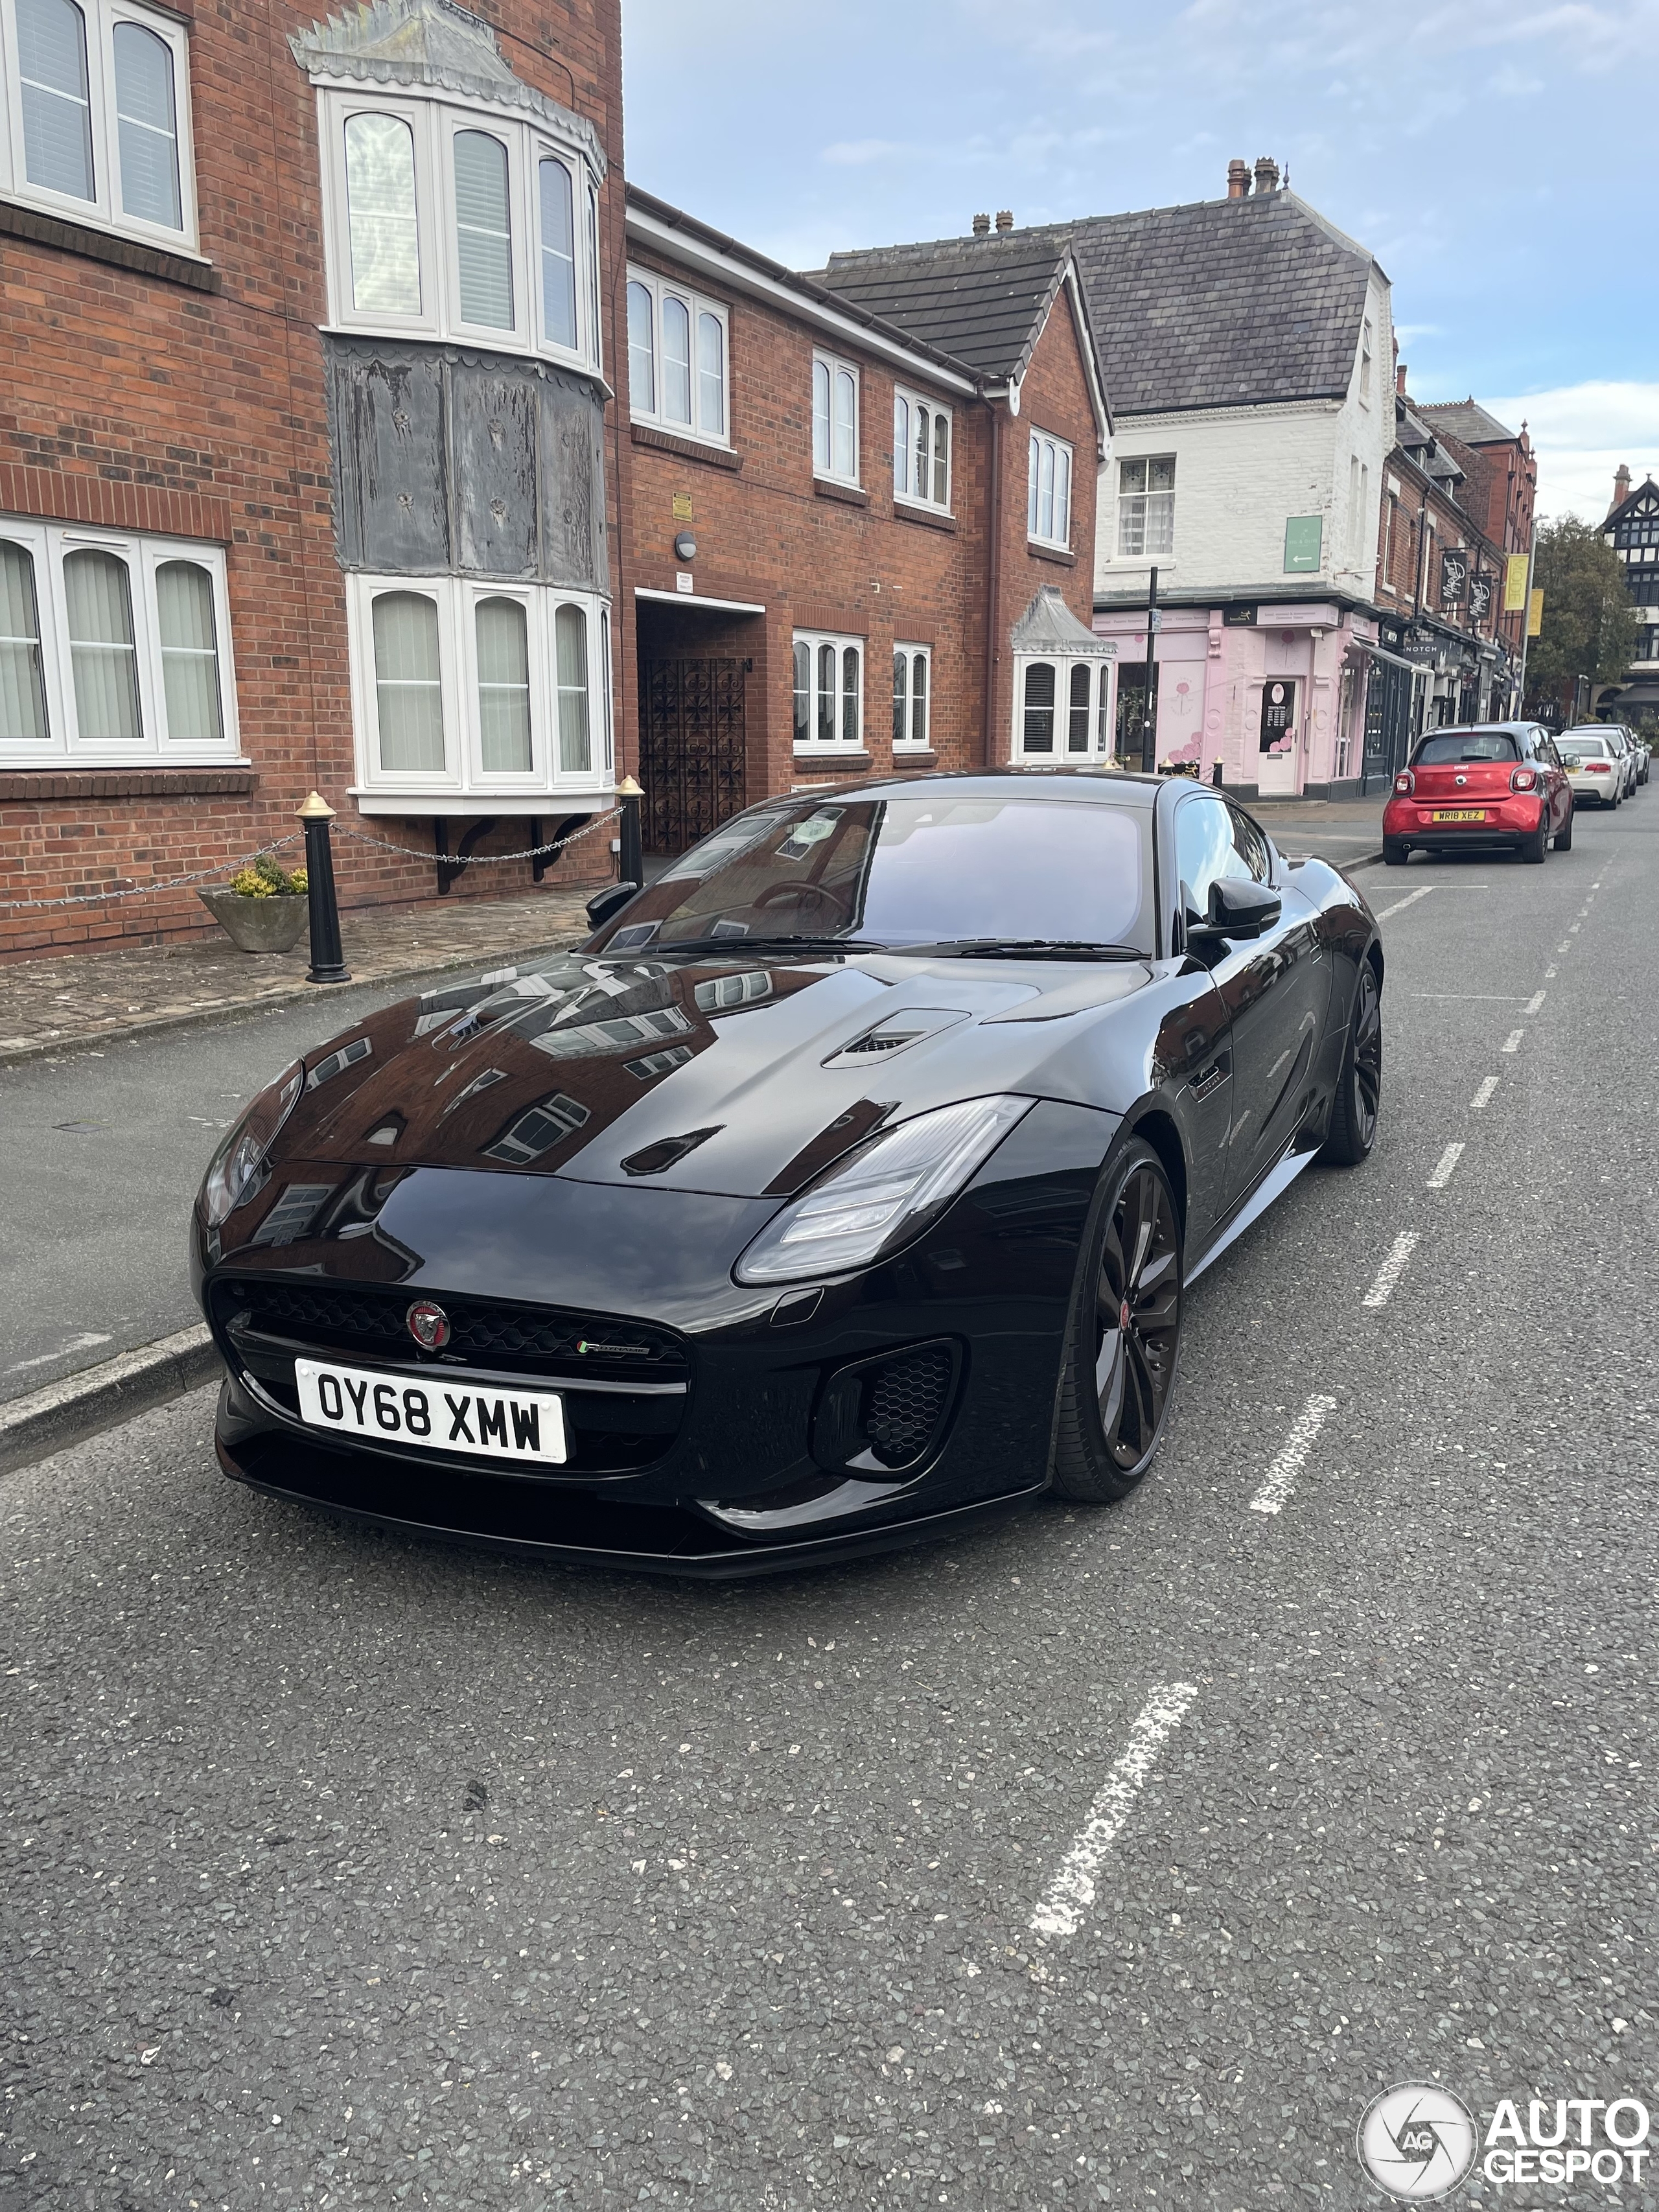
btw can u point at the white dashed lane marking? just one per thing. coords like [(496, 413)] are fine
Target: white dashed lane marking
[(1392, 1269), (1410, 899), (1293, 1456), (1444, 1166), (1535, 1001), (1482, 1098), (1071, 1891), (1512, 1042)]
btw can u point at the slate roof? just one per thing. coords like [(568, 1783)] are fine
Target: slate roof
[(1223, 303), (1048, 625), (1468, 421), (981, 299)]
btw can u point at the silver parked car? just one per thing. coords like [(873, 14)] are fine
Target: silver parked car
[(1595, 768)]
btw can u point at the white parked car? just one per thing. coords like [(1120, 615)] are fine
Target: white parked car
[(1595, 768)]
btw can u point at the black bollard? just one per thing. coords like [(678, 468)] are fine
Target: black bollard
[(327, 957), (630, 867), (1215, 774)]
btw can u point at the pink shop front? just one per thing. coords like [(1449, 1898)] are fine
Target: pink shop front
[(1276, 694)]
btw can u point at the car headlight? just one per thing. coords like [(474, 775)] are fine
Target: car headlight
[(242, 1153), (881, 1196)]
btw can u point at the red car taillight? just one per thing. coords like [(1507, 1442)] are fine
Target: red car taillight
[(1405, 781), (1598, 767), (1524, 779)]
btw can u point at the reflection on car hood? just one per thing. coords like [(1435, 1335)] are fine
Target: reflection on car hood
[(712, 1075)]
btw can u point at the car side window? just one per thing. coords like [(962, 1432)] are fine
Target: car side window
[(1205, 847), (1252, 848)]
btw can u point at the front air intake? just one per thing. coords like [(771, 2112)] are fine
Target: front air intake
[(886, 1416)]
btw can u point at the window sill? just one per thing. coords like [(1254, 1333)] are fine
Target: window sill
[(1057, 554), (689, 449), (930, 518), (850, 495), (913, 756), (828, 763), (467, 805), (31, 784), (120, 252)]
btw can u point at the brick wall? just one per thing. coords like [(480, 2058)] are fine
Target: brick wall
[(191, 403)]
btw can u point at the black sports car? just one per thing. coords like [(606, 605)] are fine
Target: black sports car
[(843, 1187)]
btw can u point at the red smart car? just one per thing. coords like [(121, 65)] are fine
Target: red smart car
[(1498, 784)]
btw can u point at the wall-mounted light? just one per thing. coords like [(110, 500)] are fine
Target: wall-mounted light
[(686, 547)]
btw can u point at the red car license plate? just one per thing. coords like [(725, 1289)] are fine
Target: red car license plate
[(1459, 814)]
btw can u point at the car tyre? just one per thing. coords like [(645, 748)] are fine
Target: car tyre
[(1396, 852), (1564, 835), (1123, 1339), (1358, 1101), (1536, 846)]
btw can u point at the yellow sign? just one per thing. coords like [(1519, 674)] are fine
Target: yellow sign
[(1515, 583), (1535, 615), (681, 506)]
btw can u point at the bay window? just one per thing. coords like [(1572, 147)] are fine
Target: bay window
[(113, 649), (95, 116), (1049, 491), (1060, 708), (829, 692), (835, 419), (921, 451), (912, 701), (443, 222), (678, 343), (464, 686)]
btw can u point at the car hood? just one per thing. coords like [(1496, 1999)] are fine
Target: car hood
[(734, 1077)]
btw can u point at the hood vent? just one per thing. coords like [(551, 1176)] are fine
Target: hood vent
[(914, 1025), (657, 1159)]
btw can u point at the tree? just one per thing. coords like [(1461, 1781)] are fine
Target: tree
[(1590, 627)]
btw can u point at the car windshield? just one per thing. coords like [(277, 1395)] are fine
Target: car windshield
[(1582, 748), (897, 871), (1467, 746)]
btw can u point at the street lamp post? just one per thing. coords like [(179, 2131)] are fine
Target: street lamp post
[(1149, 709)]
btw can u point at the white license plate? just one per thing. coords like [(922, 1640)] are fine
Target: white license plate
[(438, 1413)]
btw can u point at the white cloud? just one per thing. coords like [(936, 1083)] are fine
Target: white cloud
[(1582, 432)]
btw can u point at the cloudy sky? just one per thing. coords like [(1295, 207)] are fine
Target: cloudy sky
[(1496, 155)]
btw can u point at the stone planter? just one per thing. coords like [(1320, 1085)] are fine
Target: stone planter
[(258, 925)]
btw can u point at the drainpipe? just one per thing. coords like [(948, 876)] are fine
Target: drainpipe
[(993, 586)]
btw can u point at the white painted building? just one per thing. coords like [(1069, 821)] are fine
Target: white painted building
[(1249, 348)]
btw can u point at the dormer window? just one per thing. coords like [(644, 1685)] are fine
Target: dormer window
[(458, 202)]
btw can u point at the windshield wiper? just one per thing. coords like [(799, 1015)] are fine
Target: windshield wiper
[(738, 947), (1034, 948)]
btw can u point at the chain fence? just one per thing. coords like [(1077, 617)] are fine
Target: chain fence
[(225, 869)]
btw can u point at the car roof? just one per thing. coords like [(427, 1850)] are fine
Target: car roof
[(1099, 786)]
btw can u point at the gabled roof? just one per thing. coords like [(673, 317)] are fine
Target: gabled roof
[(1469, 421), (984, 300), (436, 43), (1224, 303), (1048, 626), (1636, 503)]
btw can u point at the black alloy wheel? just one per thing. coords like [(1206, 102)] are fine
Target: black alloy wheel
[(1358, 1100), (1564, 835), (1124, 1333), (1534, 847)]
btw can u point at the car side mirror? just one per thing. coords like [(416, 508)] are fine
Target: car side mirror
[(1239, 909), (612, 900)]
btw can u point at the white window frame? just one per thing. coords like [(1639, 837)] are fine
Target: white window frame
[(456, 598), (1365, 361), (915, 655), (1163, 552), (833, 747), (836, 367), (104, 210), (1045, 442), (697, 305), (435, 124), (904, 493), (48, 543), (1098, 709)]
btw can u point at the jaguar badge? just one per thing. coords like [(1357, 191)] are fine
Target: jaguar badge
[(429, 1325)]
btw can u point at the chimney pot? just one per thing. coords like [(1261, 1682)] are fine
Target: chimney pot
[(1266, 174), (982, 225), (1238, 180), (1620, 483), (1400, 377), (1005, 218)]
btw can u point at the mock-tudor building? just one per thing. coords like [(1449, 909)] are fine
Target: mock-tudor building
[(1632, 529), (1247, 347)]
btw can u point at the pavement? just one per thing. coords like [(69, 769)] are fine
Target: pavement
[(1347, 832), (1111, 1856)]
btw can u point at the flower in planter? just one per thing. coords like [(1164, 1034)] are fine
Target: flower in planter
[(266, 878)]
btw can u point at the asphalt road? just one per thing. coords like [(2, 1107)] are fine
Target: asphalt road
[(105, 1149), (343, 1871)]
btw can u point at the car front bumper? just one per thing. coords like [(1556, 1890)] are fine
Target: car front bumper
[(760, 1464)]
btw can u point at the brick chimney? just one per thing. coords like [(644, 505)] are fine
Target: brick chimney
[(1621, 485), (1238, 180), (1400, 377), (1266, 174), (982, 225), (1005, 219)]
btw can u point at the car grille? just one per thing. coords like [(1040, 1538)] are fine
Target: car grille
[(905, 1403)]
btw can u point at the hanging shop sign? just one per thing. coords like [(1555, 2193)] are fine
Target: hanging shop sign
[(1453, 578)]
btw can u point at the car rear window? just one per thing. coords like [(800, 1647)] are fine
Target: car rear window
[(1581, 747), (1449, 745)]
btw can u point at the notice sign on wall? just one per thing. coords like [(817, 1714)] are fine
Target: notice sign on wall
[(1277, 714), (1303, 537)]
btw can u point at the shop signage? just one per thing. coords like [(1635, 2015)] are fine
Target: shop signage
[(1453, 578), (1303, 537), (1480, 586), (1514, 582), (1277, 714), (1425, 651), (1239, 617)]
